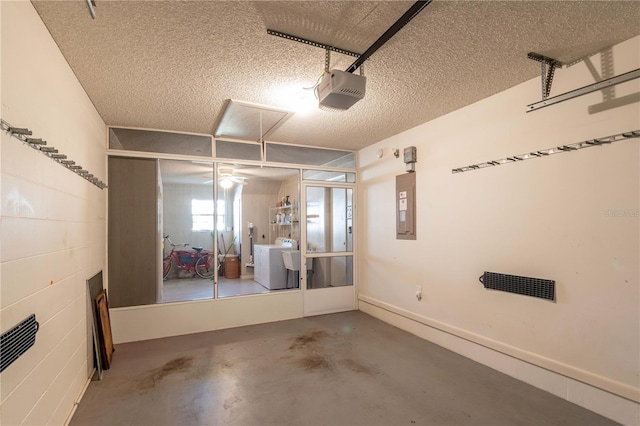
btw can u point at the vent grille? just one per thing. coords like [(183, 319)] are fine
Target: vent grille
[(16, 341), (534, 287), (353, 92)]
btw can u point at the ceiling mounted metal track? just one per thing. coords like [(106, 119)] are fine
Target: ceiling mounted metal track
[(91, 4), (631, 75), (397, 26), (312, 43), (546, 74), (393, 29), (548, 67)]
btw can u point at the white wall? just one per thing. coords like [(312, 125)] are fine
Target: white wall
[(52, 222), (547, 218), (177, 219), (257, 197)]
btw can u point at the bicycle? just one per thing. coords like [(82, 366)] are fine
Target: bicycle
[(199, 261)]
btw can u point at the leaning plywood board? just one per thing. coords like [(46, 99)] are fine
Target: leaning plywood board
[(104, 329), (94, 287)]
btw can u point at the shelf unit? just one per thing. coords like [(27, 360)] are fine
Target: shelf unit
[(284, 222)]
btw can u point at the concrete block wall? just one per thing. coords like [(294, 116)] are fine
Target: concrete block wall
[(546, 218), (52, 222)]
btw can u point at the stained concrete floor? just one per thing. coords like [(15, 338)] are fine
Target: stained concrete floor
[(339, 369)]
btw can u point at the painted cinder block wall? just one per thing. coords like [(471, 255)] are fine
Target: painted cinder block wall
[(52, 222), (570, 217), (550, 218)]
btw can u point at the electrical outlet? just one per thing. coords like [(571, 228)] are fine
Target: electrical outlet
[(419, 292)]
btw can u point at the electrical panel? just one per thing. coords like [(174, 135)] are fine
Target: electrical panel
[(410, 154), (406, 206), (410, 158)]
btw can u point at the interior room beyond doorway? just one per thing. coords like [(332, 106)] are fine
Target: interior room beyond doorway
[(255, 208), (183, 289)]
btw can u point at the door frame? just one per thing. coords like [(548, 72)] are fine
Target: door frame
[(322, 301)]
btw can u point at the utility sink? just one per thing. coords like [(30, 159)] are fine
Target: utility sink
[(291, 259)]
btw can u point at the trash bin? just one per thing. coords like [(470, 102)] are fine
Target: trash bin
[(231, 266)]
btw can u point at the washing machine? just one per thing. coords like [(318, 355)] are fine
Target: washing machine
[(269, 268)]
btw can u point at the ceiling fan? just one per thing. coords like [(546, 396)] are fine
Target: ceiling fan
[(228, 178)]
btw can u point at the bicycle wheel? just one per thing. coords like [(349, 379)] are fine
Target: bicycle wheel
[(166, 266), (205, 266)]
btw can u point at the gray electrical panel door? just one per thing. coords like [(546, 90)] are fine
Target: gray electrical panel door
[(406, 206)]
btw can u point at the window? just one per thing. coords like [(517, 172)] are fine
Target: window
[(202, 215)]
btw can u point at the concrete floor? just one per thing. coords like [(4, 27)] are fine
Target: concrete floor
[(340, 369)]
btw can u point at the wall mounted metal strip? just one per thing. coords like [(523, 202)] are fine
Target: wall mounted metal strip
[(23, 135), (631, 75), (551, 151)]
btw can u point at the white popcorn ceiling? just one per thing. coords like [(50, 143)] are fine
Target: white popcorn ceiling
[(171, 64)]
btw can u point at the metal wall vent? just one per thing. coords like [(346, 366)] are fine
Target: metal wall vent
[(535, 287), (16, 341)]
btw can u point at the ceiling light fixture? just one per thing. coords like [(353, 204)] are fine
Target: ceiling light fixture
[(226, 183), (227, 178), (296, 97)]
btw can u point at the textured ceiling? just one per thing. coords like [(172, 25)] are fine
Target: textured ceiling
[(171, 64)]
